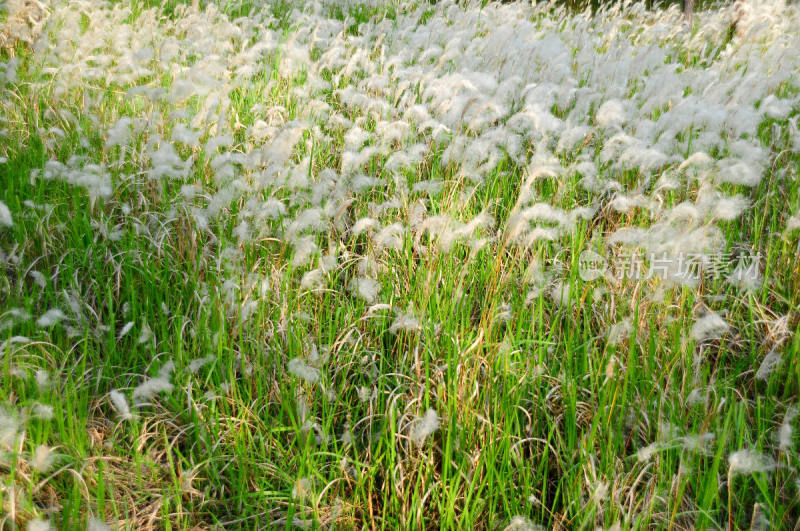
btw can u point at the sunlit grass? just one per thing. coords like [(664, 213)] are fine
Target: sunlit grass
[(475, 378)]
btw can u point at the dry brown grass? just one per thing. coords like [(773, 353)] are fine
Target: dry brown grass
[(23, 21)]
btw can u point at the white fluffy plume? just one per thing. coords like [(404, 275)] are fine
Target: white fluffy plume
[(424, 426)]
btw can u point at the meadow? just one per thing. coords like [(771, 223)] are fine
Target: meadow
[(381, 265)]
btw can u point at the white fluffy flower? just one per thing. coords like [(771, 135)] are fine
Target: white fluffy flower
[(611, 113), (153, 386), (95, 524), (768, 364), (120, 404), (750, 462), (424, 426), (785, 430), (51, 317), (37, 524), (302, 370), (5, 216), (405, 322), (366, 288), (43, 458), (710, 326), (520, 523)]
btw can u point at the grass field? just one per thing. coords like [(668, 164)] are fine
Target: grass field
[(374, 266)]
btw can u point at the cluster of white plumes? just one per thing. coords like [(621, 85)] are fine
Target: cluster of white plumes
[(617, 110), (607, 106), (383, 135)]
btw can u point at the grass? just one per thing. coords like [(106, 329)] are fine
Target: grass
[(540, 414)]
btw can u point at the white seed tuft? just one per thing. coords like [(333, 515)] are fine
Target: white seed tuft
[(770, 362), (424, 426), (120, 404), (520, 523), (95, 524), (37, 524), (302, 370), (5, 216), (366, 288), (405, 322), (785, 430), (710, 326), (50, 318), (43, 458), (125, 329), (750, 462)]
